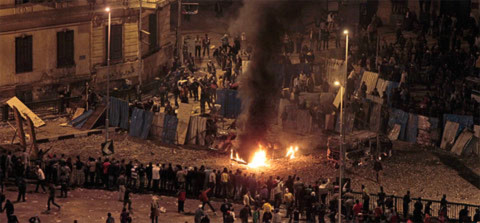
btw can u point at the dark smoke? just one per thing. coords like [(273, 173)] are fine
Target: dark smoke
[(265, 23)]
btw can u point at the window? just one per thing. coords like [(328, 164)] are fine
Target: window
[(116, 47), (152, 29), (23, 54), (19, 2), (65, 53)]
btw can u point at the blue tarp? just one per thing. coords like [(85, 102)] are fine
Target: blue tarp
[(118, 113), (140, 123), (412, 128), (400, 117), (391, 85), (465, 121), (169, 134), (136, 123), (230, 103), (147, 123), (80, 120)]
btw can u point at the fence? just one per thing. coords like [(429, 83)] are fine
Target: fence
[(452, 208)]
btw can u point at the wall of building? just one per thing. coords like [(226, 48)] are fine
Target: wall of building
[(44, 54), (166, 41)]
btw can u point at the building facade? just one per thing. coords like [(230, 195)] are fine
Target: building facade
[(48, 46)]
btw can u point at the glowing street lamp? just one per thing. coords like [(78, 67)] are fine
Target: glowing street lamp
[(108, 74), (342, 134)]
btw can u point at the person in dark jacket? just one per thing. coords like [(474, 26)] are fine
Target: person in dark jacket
[(22, 189), (9, 209), (245, 212)]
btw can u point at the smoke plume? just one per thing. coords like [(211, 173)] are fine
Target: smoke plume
[(265, 23)]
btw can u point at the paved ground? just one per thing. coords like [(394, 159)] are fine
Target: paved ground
[(92, 206)]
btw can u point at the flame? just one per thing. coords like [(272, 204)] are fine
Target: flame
[(259, 158), (236, 157), (291, 152)]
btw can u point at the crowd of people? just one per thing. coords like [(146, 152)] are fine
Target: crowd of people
[(433, 68), (262, 195)]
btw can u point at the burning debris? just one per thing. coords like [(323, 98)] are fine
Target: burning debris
[(291, 152), (265, 23)]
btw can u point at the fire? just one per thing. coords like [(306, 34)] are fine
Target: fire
[(236, 157), (259, 159), (291, 152)]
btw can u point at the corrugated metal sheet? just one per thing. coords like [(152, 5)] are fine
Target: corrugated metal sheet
[(400, 117), (370, 80), (464, 121), (375, 117), (449, 134), (412, 128), (170, 129), (462, 142), (477, 134)]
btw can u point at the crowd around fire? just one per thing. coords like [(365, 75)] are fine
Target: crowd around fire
[(444, 64)]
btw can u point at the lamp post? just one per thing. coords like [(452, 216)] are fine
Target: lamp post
[(342, 133), (108, 74)]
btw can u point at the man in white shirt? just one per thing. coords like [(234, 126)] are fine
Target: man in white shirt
[(156, 176), (40, 179)]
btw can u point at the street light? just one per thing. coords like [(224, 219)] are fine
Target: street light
[(108, 75), (342, 133)]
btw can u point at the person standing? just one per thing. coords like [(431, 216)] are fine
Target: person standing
[(155, 177), (63, 185), (22, 189), (206, 45), (9, 209), (406, 204), (245, 212), (182, 196), (198, 46), (377, 167), (110, 219), (127, 200), (40, 178), (51, 197), (199, 214), (154, 209), (121, 186), (256, 215), (149, 173)]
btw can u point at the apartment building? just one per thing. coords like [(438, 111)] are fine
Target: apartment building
[(47, 46)]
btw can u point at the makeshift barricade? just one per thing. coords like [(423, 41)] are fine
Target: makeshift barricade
[(427, 130), (118, 113), (464, 121), (449, 134), (230, 104), (140, 124), (400, 117)]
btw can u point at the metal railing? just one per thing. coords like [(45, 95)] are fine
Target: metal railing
[(453, 208)]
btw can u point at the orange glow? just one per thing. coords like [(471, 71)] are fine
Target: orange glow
[(291, 152), (259, 158)]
